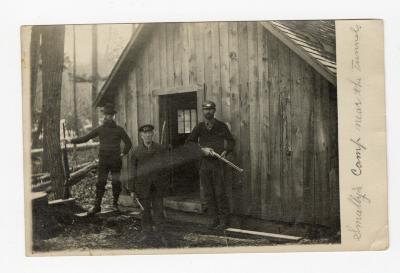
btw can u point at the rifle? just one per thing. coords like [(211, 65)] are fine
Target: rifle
[(212, 153), (66, 194)]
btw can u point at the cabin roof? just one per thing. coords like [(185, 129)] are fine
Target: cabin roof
[(313, 41)]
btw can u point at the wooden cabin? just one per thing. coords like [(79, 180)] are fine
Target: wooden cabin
[(274, 84)]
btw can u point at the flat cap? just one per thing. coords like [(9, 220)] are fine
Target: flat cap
[(109, 109), (208, 105), (146, 128)]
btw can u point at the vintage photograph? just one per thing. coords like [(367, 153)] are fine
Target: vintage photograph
[(181, 136)]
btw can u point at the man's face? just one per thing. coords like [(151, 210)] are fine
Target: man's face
[(208, 113), (108, 117), (147, 136)]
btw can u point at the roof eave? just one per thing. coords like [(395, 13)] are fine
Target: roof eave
[(302, 53), (116, 68)]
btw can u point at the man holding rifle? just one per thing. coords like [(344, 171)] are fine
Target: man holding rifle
[(210, 135), (110, 136)]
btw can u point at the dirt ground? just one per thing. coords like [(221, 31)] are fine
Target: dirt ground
[(119, 230)]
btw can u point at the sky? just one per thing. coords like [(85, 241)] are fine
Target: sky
[(112, 38)]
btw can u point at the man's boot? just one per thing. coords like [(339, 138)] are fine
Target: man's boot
[(97, 204), (214, 223), (115, 201), (223, 224)]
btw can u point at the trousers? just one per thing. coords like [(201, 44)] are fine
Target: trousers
[(109, 163), (153, 202), (212, 179)]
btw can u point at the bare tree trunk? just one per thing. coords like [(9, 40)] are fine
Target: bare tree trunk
[(95, 76), (76, 127), (52, 52), (34, 67)]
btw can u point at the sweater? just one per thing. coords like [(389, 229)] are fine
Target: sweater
[(110, 136)]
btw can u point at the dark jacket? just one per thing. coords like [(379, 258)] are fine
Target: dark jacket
[(149, 166), (110, 136), (213, 138)]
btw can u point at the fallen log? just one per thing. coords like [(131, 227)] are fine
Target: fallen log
[(42, 186), (75, 177), (83, 146)]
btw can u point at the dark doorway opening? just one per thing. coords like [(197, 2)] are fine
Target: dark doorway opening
[(178, 116)]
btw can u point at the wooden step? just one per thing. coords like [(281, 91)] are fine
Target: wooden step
[(62, 201), (103, 212), (182, 203)]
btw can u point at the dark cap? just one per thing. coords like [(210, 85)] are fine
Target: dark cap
[(108, 109), (208, 105), (146, 128)]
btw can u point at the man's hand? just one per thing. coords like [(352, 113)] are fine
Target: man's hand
[(207, 151), (122, 155), (224, 153)]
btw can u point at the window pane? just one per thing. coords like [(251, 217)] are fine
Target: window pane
[(181, 129), (180, 115), (187, 121), (193, 118)]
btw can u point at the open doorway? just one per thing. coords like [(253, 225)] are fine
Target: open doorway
[(178, 117)]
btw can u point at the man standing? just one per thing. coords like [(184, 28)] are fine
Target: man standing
[(150, 179), (110, 136), (210, 135)]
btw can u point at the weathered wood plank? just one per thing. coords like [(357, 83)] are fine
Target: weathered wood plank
[(146, 87), (199, 40), (208, 68), (284, 88), (275, 210), (254, 118), (177, 55), (265, 234), (133, 106), (163, 55), (318, 213), (308, 143), (185, 52), (192, 53), (224, 63), (326, 201), (297, 131), (170, 53), (244, 113), (234, 83), (181, 89), (156, 84), (216, 69), (140, 94), (263, 77)]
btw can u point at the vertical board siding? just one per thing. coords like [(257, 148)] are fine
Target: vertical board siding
[(284, 89), (233, 45), (264, 93), (216, 69), (208, 68), (133, 106), (275, 210), (244, 141), (169, 29), (281, 112), (308, 143), (254, 120), (298, 128), (177, 41)]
